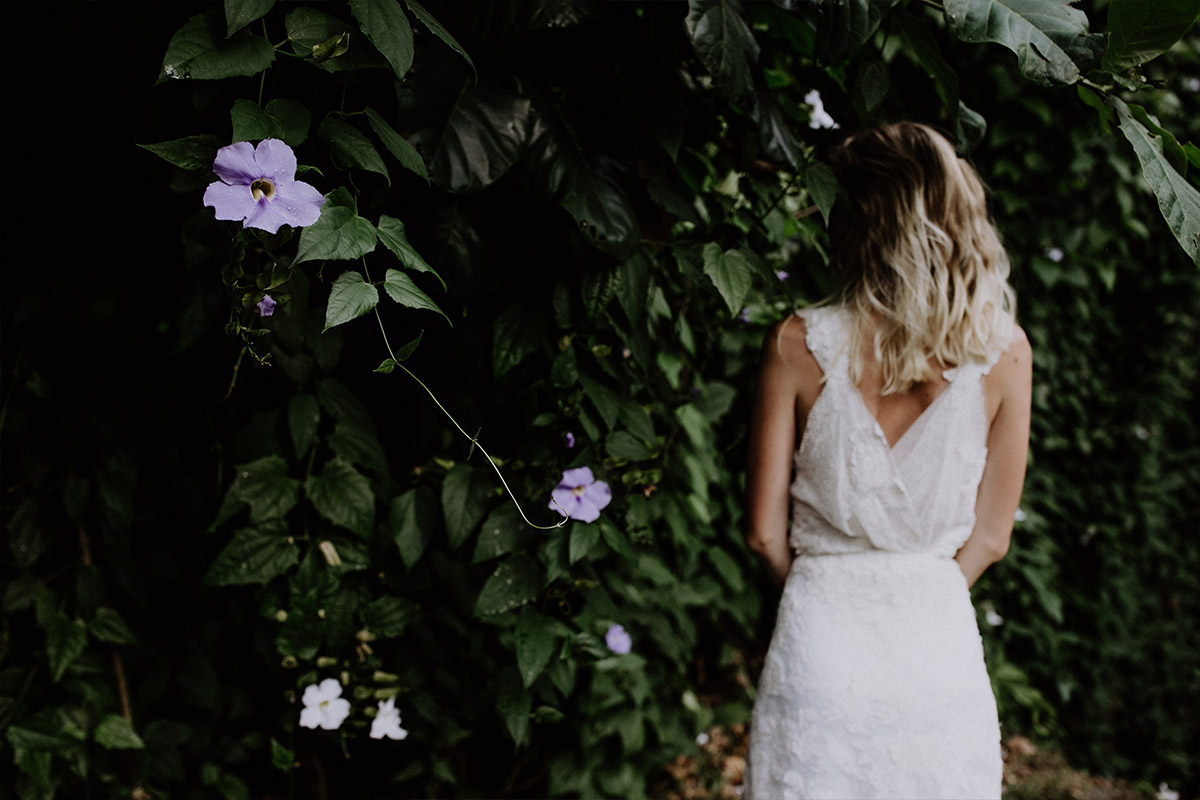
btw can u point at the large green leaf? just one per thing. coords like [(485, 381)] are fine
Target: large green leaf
[(343, 496), (240, 13), (847, 25), (730, 272), (474, 141), (265, 486), (536, 638), (1178, 200), (1141, 30), (586, 187), (502, 532), (725, 45), (66, 640), (517, 333), (464, 502), (396, 144), (513, 583), (200, 51), (339, 234), (349, 298), (437, 29), (413, 519), (350, 147), (254, 555), (401, 288), (391, 233), (281, 119), (388, 616), (191, 152), (115, 732), (386, 25), (1040, 32)]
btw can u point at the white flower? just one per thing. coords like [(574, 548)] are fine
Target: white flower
[(1020, 516), (324, 706), (1191, 84), (993, 618), (387, 721), (1166, 793), (702, 739), (1055, 254), (818, 118)]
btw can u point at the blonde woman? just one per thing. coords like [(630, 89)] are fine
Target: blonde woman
[(893, 425)]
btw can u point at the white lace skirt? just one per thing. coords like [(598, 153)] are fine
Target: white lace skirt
[(874, 686)]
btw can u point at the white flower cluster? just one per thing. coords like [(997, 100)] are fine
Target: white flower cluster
[(325, 708)]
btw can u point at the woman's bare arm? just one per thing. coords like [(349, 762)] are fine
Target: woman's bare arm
[(1004, 474), (784, 367)]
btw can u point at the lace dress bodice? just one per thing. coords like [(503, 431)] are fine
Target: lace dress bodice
[(853, 492)]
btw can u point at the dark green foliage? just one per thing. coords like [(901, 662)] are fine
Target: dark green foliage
[(582, 209)]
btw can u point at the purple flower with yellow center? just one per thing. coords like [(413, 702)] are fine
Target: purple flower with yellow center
[(258, 187), (580, 496), (266, 306), (618, 640)]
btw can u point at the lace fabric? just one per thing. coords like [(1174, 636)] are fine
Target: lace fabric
[(874, 685)]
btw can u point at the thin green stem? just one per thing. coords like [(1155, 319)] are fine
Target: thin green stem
[(474, 440)]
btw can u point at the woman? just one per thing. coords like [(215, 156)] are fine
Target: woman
[(898, 422)]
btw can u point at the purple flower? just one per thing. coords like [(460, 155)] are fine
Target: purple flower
[(580, 496), (618, 640), (266, 306), (744, 316), (257, 187), (568, 440), (781, 274)]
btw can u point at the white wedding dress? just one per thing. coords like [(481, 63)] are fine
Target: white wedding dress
[(874, 685)]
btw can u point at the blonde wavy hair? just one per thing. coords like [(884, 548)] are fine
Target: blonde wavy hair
[(925, 272)]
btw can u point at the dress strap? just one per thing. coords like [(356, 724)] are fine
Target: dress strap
[(825, 334)]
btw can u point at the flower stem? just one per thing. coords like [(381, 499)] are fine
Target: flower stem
[(473, 439)]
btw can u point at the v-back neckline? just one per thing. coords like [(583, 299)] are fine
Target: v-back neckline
[(891, 446)]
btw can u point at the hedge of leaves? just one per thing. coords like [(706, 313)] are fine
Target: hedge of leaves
[(552, 236)]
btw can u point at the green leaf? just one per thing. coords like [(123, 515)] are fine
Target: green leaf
[(200, 51), (339, 234), (191, 152), (350, 148), (391, 233), (343, 496), (349, 298), (303, 417), (65, 640), (388, 616), (1178, 200), (517, 333), (464, 502), (115, 732), (402, 354), (822, 186), (536, 638), (730, 272), (253, 556), (1038, 31), (513, 583), (386, 25), (847, 25), (358, 444), (401, 288), (333, 44), (624, 446), (437, 29), (514, 704), (583, 539), (109, 626), (413, 518), (42, 733), (397, 145), (265, 486), (281, 757), (1141, 30), (281, 119), (725, 45), (606, 399), (240, 13), (502, 532)]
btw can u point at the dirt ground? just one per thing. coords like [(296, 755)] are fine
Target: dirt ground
[(1030, 773)]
